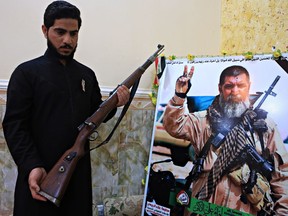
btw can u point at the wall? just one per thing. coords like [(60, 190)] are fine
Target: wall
[(254, 26), (117, 36), (118, 167)]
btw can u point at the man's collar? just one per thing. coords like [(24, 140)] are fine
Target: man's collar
[(52, 54)]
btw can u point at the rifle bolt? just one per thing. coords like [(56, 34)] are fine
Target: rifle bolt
[(61, 169)]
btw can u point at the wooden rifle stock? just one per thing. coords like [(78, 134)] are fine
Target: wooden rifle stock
[(55, 184)]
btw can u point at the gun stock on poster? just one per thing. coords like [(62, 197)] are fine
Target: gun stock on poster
[(219, 147)]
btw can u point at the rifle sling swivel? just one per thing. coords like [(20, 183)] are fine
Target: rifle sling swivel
[(124, 110)]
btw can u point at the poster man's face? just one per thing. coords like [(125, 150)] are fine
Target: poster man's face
[(235, 88)]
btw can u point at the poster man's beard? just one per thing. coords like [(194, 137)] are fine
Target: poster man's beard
[(233, 109), (58, 55)]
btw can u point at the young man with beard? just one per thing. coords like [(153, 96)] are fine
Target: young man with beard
[(47, 99), (219, 181)]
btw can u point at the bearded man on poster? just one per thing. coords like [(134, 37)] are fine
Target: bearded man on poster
[(221, 181)]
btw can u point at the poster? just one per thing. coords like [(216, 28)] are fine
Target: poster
[(171, 159)]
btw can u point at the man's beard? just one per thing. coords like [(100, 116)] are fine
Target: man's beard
[(233, 109), (57, 54)]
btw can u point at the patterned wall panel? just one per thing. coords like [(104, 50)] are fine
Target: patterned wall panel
[(117, 167), (254, 26)]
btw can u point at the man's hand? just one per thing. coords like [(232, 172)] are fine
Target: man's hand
[(183, 83), (36, 176), (123, 95)]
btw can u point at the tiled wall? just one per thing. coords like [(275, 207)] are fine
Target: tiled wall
[(117, 167), (254, 26), (8, 170)]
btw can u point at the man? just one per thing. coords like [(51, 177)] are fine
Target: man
[(224, 179), (47, 99)]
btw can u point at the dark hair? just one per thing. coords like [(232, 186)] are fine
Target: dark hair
[(59, 10), (234, 70)]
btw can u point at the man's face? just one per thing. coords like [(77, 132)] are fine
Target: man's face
[(235, 88), (234, 95), (63, 35)]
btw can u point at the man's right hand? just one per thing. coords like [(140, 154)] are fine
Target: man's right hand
[(183, 83), (36, 176)]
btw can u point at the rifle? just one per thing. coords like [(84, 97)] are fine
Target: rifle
[(257, 164), (55, 184)]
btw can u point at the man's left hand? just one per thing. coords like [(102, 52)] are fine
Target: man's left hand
[(123, 95), (35, 178)]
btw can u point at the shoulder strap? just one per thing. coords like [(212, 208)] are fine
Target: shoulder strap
[(216, 141), (124, 110), (198, 163)]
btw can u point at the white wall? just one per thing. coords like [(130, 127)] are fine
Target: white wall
[(117, 36)]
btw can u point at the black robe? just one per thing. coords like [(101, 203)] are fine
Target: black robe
[(46, 102)]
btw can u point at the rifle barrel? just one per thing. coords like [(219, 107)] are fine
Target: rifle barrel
[(268, 92)]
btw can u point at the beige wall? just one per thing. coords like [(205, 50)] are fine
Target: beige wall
[(254, 26), (117, 36)]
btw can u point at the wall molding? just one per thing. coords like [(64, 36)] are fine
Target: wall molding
[(3, 84), (142, 94), (139, 94)]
